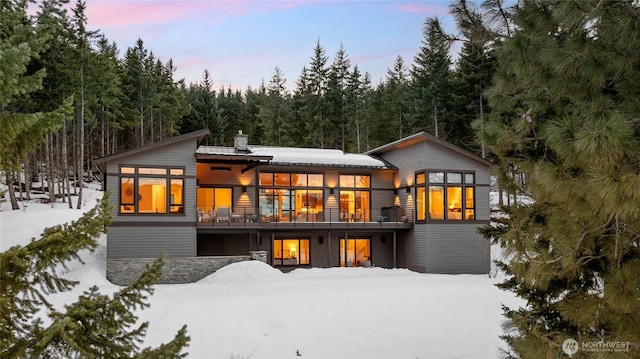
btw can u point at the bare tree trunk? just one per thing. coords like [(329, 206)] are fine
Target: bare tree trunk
[(11, 190), (141, 125), (50, 181), (104, 135), (65, 167), (40, 169), (16, 177), (80, 169), (27, 176)]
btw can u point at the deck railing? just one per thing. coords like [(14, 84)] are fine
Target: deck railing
[(251, 217)]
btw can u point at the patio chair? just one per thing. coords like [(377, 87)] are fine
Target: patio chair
[(224, 214)]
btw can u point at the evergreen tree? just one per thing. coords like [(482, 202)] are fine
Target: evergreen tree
[(108, 97), (396, 97), (565, 114), (317, 82), (472, 77), (274, 114), (21, 43), (355, 97), (431, 82), (136, 90), (249, 122), (338, 74), (97, 325), (231, 108)]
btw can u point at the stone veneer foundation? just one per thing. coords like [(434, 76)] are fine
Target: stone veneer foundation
[(124, 271)]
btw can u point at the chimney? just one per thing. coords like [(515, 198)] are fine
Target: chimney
[(240, 141)]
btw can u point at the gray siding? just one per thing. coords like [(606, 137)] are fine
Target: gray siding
[(151, 241), (456, 248), (483, 210), (412, 249), (382, 183), (439, 157)]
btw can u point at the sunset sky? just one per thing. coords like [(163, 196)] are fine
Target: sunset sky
[(241, 42)]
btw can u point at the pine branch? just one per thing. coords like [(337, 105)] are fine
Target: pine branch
[(28, 273)]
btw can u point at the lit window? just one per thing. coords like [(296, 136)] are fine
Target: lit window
[(291, 252), (451, 196), (355, 204), (282, 179), (266, 179), (355, 252), (454, 203), (127, 195), (289, 197), (176, 203), (152, 171), (469, 206), (421, 200), (151, 190), (152, 195), (208, 200), (436, 202)]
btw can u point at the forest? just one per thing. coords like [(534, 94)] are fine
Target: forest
[(95, 99)]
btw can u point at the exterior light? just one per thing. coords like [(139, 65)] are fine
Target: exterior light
[(331, 191), (244, 189), (408, 189)]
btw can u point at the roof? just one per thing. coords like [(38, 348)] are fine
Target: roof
[(421, 137), (199, 135), (293, 156)]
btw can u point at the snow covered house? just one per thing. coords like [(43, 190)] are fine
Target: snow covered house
[(414, 203)]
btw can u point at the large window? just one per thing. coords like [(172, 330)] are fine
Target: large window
[(210, 200), (288, 197), (446, 196), (290, 252), (355, 198), (151, 190), (355, 252)]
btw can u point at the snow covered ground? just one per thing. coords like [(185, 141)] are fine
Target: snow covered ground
[(251, 310)]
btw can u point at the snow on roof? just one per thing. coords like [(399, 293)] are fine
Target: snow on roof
[(300, 156)]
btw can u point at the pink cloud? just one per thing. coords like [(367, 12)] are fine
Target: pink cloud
[(129, 13), (424, 8)]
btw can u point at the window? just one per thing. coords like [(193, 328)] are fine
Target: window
[(421, 199), (288, 197), (151, 190), (449, 196), (290, 252), (355, 252), (209, 200), (355, 204)]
